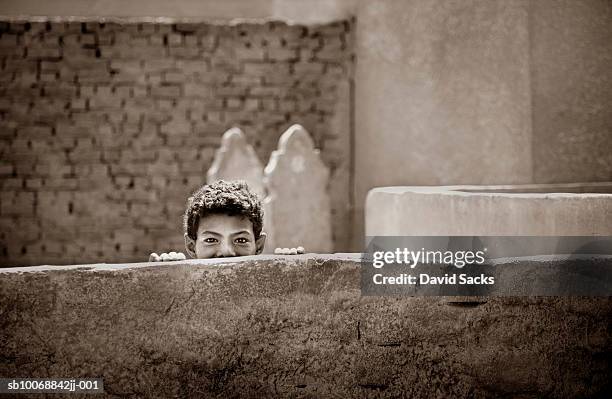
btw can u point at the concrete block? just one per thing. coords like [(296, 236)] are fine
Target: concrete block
[(580, 209)]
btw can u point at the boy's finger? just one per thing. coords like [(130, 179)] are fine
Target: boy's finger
[(154, 257), (300, 250)]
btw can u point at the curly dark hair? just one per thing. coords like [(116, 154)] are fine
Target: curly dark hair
[(223, 197)]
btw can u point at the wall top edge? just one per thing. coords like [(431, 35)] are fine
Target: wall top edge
[(206, 263), (548, 190), (164, 20)]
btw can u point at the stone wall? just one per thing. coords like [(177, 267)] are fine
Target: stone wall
[(293, 327), (107, 126)]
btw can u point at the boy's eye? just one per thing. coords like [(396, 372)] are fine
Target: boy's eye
[(210, 240), (241, 240)]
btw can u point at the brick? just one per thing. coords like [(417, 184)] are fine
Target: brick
[(156, 40), (125, 65), (209, 43), (251, 53), (163, 104), (198, 90), (163, 169), (215, 117), (174, 77), (34, 184), (156, 65), (192, 66), (64, 91), (8, 41), (233, 103), (176, 127), (140, 41), (54, 171), (87, 90), (267, 91), (35, 131), (174, 39), (252, 104), (187, 27), (11, 183), (44, 52), (280, 79), (282, 54), (166, 91), (129, 52), (214, 77), (264, 69), (246, 80), (269, 103), (192, 41), (93, 76), (184, 52), (6, 170), (303, 68), (330, 54), (226, 91), (88, 39), (154, 78), (139, 91), (122, 91), (105, 38)]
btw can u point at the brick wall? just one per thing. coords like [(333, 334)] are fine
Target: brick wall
[(107, 127)]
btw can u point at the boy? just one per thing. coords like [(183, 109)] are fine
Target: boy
[(223, 219)]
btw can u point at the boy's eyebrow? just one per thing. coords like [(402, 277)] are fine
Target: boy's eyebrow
[(241, 232), (210, 232)]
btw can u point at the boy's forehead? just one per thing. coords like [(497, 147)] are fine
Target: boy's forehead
[(224, 224)]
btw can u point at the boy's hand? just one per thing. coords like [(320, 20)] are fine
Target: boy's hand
[(166, 257), (289, 251)]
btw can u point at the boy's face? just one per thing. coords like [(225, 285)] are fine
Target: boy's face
[(222, 235)]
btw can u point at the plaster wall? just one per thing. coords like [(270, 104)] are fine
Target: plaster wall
[(442, 94), (571, 64)]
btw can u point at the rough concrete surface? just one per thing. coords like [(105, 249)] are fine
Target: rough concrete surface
[(292, 327)]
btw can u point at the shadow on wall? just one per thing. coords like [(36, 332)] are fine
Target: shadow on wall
[(293, 187)]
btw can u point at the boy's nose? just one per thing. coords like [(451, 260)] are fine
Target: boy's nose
[(225, 250)]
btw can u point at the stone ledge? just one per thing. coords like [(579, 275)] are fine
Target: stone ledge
[(291, 326), (576, 209), (165, 20)]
